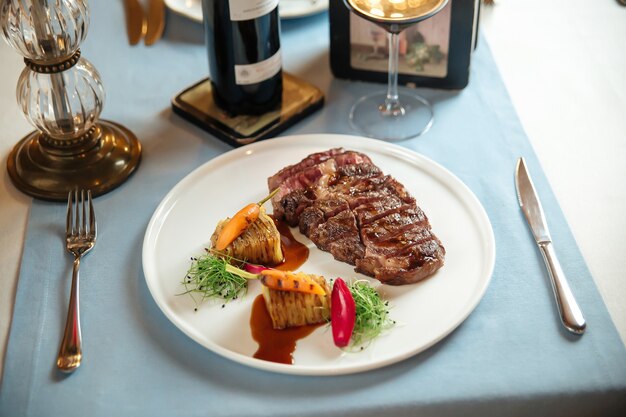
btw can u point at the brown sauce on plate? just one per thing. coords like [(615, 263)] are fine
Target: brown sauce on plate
[(274, 345), (294, 252)]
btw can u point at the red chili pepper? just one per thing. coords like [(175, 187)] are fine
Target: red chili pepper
[(342, 313), (254, 269)]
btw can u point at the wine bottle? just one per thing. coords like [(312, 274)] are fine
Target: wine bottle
[(245, 66)]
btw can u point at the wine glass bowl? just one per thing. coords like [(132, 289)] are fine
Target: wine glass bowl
[(393, 115), (402, 13)]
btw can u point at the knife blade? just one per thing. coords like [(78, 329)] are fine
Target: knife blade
[(155, 22), (569, 311), (135, 21)]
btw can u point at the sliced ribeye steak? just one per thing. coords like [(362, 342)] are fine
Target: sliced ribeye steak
[(346, 205)]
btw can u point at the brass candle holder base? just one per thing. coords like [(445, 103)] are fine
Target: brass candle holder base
[(100, 160)]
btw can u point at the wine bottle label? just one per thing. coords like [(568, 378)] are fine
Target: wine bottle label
[(250, 9), (260, 71)]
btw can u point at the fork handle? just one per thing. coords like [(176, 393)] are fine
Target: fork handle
[(70, 351)]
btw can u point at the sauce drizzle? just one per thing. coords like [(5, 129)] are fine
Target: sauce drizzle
[(294, 252), (274, 345)]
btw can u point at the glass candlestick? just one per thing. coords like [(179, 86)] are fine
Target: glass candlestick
[(61, 94)]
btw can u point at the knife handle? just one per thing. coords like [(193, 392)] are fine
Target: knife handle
[(571, 315)]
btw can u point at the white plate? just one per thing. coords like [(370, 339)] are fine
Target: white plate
[(426, 312), (289, 9)]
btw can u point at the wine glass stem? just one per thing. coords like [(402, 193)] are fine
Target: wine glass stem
[(392, 106)]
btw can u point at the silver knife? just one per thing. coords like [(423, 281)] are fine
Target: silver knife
[(570, 313)]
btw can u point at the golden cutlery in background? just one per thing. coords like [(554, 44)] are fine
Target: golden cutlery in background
[(135, 21), (148, 25), (156, 21)]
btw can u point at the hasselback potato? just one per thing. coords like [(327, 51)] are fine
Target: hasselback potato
[(291, 309)]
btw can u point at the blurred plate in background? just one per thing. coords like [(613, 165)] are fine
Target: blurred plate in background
[(289, 9)]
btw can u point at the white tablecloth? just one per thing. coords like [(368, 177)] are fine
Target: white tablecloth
[(564, 64)]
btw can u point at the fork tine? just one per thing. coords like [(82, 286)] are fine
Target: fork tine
[(83, 223), (68, 220), (92, 217), (76, 213)]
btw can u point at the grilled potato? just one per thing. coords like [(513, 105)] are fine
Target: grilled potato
[(291, 309), (258, 244)]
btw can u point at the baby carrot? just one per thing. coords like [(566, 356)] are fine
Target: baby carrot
[(240, 222), (290, 281)]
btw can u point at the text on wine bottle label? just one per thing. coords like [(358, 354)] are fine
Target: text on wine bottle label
[(250, 9), (260, 71)]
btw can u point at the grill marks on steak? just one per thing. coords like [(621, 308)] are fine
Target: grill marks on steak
[(293, 205), (346, 206), (378, 208), (400, 246), (339, 235)]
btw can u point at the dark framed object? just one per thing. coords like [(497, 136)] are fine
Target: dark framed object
[(435, 53)]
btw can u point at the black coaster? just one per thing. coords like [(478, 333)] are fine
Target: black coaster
[(196, 105)]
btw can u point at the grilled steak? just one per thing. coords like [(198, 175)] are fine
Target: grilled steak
[(348, 207), (312, 170), (311, 160)]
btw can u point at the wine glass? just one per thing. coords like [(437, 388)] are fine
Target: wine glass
[(393, 115), (376, 35)]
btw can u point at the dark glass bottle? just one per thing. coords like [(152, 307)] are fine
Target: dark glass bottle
[(243, 42)]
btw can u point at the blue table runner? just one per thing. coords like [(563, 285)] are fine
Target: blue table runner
[(510, 357)]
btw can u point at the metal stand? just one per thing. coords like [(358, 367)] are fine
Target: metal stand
[(100, 160)]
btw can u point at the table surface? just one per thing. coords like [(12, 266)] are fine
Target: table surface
[(564, 69)]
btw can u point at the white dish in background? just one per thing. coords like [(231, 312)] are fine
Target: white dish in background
[(426, 312), (291, 9), (288, 9)]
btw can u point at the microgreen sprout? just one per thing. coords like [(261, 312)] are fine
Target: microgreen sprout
[(372, 313), (211, 276)]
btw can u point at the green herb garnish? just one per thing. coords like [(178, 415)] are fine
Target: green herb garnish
[(211, 276), (372, 313)]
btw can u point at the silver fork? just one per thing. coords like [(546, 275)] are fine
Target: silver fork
[(80, 235)]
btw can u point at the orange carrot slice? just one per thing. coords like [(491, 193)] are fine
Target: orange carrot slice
[(290, 281)]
